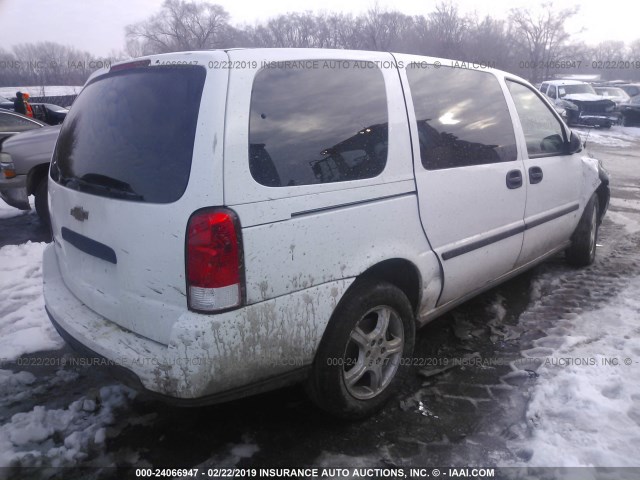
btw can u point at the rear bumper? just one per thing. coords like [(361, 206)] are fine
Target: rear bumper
[(14, 192), (130, 379), (210, 358)]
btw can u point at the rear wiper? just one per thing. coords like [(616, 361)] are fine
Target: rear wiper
[(103, 184)]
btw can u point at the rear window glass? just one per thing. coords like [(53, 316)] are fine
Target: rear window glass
[(320, 125), (462, 117), (130, 134)]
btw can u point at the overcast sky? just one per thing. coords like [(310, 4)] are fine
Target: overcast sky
[(98, 25)]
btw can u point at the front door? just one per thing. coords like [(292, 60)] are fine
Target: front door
[(553, 179)]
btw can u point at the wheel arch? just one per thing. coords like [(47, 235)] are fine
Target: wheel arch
[(399, 272), (603, 194), (35, 175)]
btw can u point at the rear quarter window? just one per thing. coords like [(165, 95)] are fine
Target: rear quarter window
[(321, 125)]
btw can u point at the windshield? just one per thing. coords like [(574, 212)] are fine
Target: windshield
[(632, 90), (612, 92), (573, 89), (130, 134)]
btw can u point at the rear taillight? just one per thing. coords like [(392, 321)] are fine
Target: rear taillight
[(214, 260)]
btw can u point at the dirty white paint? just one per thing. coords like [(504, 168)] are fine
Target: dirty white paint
[(145, 291), (303, 245), (257, 342), (206, 354)]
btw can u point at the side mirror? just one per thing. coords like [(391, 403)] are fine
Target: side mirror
[(574, 145)]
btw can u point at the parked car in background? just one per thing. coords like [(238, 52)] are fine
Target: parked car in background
[(288, 224), (24, 164), (616, 94), (632, 89), (45, 112), (12, 123), (582, 104), (5, 103), (631, 112), (49, 113)]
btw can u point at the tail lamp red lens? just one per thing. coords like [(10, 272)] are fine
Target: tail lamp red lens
[(214, 260)]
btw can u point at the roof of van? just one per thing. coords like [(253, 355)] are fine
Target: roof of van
[(284, 54)]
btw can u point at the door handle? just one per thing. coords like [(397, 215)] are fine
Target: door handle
[(514, 179), (535, 175)]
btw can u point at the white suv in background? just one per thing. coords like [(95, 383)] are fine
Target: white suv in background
[(227, 222), (581, 103)]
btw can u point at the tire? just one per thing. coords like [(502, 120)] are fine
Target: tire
[(582, 251), (42, 206), (360, 361)]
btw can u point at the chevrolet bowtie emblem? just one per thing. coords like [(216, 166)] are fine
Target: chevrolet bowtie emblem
[(79, 214)]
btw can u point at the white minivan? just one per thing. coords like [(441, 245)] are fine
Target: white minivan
[(227, 222)]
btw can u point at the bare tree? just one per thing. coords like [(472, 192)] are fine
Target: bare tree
[(606, 54), (344, 31), (487, 41), (530, 43), (49, 63), (540, 36), (180, 25), (634, 56), (290, 30), (10, 69), (609, 50), (447, 30), (634, 49), (381, 29)]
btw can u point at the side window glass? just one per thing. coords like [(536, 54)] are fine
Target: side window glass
[(320, 125), (552, 92), (462, 117), (542, 130)]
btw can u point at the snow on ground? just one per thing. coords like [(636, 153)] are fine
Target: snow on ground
[(616, 136), (24, 325), (60, 437), (625, 212), (631, 225), (72, 433), (627, 203), (35, 91), (585, 411), (7, 211), (231, 455), (629, 131)]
